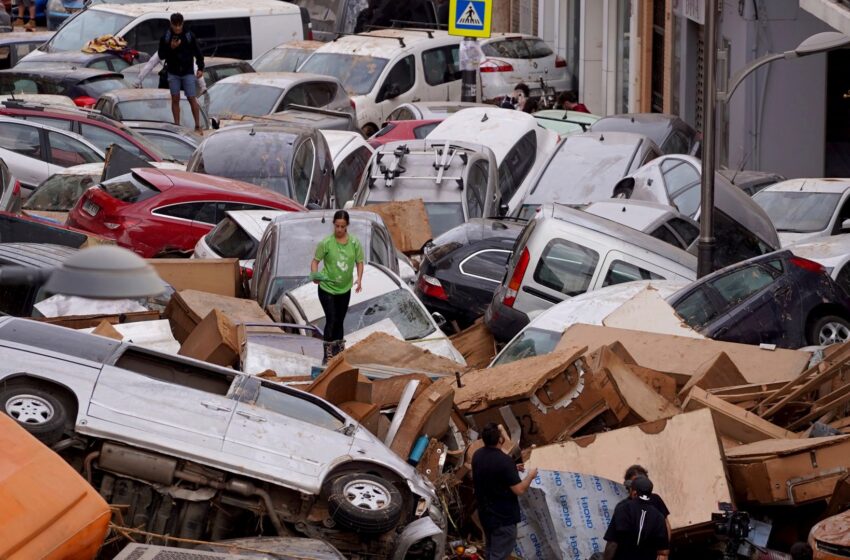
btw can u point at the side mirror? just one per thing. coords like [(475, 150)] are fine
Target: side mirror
[(503, 209), (439, 319)]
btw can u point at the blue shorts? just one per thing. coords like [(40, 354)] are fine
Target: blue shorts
[(187, 83)]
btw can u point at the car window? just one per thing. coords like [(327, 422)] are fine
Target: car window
[(665, 234), (696, 309), (176, 371), (399, 306), (284, 59), (222, 72), (103, 138), (59, 193), (740, 284), (61, 124), (174, 147), (489, 264), (441, 65), (621, 272), (100, 65), (277, 399), (476, 188), (66, 151), (320, 94), (118, 64), (5, 58), (230, 241), (401, 77), (145, 35), (566, 267), (228, 37), (10, 84), (21, 139), (529, 343), (514, 47), (516, 165), (686, 230), (23, 49), (95, 87), (350, 173), (678, 175), (537, 48), (401, 114), (243, 99), (421, 132), (302, 170), (188, 211), (688, 200), (746, 244), (357, 73), (380, 252), (676, 143), (128, 188)]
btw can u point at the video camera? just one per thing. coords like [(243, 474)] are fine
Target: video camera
[(732, 525)]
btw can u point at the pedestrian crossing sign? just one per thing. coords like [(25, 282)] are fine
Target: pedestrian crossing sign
[(470, 18)]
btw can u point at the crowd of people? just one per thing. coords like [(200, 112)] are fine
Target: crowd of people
[(521, 100)]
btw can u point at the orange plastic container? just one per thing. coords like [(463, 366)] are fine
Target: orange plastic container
[(47, 510)]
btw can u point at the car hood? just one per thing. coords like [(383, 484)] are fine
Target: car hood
[(787, 238)]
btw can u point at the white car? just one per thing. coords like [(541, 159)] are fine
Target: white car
[(430, 110), (658, 220), (805, 209), (520, 145), (382, 69), (351, 154), (33, 152), (385, 304), (512, 58), (833, 253), (236, 236), (542, 334)]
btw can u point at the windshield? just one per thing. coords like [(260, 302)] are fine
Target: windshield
[(230, 241), (529, 343), (399, 306), (88, 24), (358, 74), (798, 212), (444, 216), (243, 99), (96, 87), (281, 60), (59, 193), (158, 110)]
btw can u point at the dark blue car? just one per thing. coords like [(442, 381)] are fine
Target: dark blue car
[(777, 298)]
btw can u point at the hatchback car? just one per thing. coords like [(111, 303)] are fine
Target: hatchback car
[(393, 131), (286, 57), (16, 45), (564, 252), (146, 105), (833, 253), (778, 298), (216, 68), (219, 437), (512, 58), (83, 85), (101, 61), (462, 268), (804, 209), (258, 94), (177, 142), (385, 303), (292, 161), (237, 236), (671, 134), (156, 212)]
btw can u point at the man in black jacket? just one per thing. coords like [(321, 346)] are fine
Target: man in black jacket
[(177, 49)]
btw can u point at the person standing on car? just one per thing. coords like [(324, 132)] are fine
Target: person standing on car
[(28, 5), (339, 254), (177, 49), (154, 61), (497, 484)]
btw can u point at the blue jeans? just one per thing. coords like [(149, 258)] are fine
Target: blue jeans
[(499, 543), (188, 83)]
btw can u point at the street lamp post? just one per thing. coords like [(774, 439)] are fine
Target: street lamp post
[(818, 43)]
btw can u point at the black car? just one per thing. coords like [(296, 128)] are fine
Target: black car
[(78, 59), (215, 68), (462, 268), (18, 300), (83, 85), (669, 132), (777, 298)]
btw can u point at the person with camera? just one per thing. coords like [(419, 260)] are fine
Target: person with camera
[(177, 49), (637, 530), (519, 99)]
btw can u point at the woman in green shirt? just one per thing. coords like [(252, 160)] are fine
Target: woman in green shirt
[(338, 253)]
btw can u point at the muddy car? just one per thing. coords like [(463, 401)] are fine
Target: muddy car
[(203, 452)]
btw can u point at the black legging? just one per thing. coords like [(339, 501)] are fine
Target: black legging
[(335, 307)]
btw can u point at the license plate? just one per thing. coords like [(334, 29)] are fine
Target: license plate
[(90, 208)]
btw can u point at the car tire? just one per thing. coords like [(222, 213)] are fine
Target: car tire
[(364, 503), (40, 410), (829, 329)]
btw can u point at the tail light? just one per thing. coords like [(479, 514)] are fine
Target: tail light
[(560, 62), (493, 65), (16, 189), (431, 287), (353, 104), (247, 272), (84, 101), (806, 264), (516, 278)]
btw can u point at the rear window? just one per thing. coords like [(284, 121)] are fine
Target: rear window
[(230, 241), (129, 188), (566, 267), (59, 193), (513, 47), (64, 341), (96, 87)]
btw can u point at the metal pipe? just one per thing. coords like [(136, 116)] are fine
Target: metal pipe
[(705, 246), (87, 464)]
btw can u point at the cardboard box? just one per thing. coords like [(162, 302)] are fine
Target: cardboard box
[(187, 308), (214, 340), (788, 471), (106, 329), (717, 372), (215, 276), (476, 344), (407, 222)]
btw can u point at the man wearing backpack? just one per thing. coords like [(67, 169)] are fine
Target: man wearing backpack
[(177, 49)]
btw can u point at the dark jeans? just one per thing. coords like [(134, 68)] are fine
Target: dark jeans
[(500, 542), (335, 307)]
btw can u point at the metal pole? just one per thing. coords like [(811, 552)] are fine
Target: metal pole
[(469, 71), (705, 246)]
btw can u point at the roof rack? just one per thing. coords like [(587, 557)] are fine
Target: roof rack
[(429, 32), (443, 157), (399, 39)]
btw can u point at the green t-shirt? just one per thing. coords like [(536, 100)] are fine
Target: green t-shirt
[(338, 263)]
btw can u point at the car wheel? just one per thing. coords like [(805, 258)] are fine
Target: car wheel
[(829, 329), (364, 503), (38, 410), (368, 130)]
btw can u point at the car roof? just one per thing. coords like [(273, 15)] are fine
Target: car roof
[(636, 214), (479, 229), (300, 44), (507, 35), (59, 71), (94, 169), (35, 255), (376, 279), (256, 7), (385, 43), (620, 232), (327, 215), (255, 222), (158, 125), (254, 129), (501, 127), (430, 109), (175, 181), (810, 185), (275, 79)]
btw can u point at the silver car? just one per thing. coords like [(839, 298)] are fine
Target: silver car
[(201, 451)]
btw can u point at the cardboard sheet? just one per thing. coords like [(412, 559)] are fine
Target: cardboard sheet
[(383, 349), (187, 308), (719, 371), (154, 335), (682, 454), (646, 404), (476, 344), (215, 276), (648, 311), (407, 222)]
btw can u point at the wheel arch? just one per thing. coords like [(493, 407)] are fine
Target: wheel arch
[(821, 310), (44, 382)]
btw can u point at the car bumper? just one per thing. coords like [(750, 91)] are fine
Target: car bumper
[(503, 321), (421, 529)]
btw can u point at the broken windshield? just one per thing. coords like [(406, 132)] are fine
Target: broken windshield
[(398, 306)]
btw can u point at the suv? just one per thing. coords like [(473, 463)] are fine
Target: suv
[(206, 452), (564, 252), (382, 69)]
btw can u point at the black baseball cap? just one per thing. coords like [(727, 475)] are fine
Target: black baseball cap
[(643, 487)]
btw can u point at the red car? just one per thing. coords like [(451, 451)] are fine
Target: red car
[(97, 129), (156, 212), (403, 130)]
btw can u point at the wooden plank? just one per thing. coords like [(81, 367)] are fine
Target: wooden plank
[(476, 344), (719, 371), (835, 359), (733, 421), (645, 403), (829, 403), (813, 383)]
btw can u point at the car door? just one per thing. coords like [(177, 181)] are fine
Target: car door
[(287, 434), (23, 150), (162, 400), (441, 73), (398, 86), (180, 225), (620, 267), (63, 150)]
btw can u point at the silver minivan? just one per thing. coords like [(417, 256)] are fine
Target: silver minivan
[(564, 252)]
